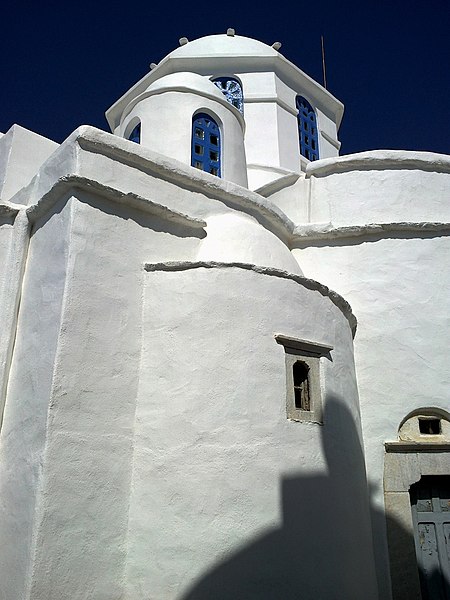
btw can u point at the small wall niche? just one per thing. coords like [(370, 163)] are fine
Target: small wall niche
[(429, 426), (424, 425)]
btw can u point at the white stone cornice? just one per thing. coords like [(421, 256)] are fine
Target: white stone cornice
[(303, 345), (286, 178), (253, 99), (310, 284), (186, 177), (185, 90), (333, 141), (416, 447), (325, 231), (64, 169), (130, 199), (65, 166), (9, 210), (380, 160)]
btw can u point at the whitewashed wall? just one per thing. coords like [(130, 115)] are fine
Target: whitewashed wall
[(226, 491), (22, 152), (23, 433), (98, 427), (382, 186), (397, 282)]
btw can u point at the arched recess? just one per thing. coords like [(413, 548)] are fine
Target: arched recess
[(206, 144), (421, 451), (231, 88), (307, 129), (425, 425), (133, 131)]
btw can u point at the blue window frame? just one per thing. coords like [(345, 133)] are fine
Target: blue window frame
[(205, 153), (135, 135), (307, 129), (232, 90)]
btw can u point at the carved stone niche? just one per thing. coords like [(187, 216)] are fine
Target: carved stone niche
[(425, 425)]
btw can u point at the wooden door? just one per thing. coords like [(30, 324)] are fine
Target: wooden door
[(430, 503)]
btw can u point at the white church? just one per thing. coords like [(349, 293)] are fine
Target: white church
[(224, 364)]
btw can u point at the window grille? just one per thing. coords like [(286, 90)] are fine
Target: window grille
[(232, 90), (135, 135), (307, 129), (205, 153)]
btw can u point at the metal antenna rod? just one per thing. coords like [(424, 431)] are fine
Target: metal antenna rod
[(323, 64)]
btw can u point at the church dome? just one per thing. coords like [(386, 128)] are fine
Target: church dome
[(223, 45)]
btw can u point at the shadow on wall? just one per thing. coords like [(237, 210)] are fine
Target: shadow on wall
[(322, 550)]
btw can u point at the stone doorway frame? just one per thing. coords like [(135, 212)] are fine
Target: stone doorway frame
[(405, 463)]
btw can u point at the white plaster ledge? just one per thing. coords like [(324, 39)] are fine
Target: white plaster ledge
[(129, 199), (271, 169), (303, 345), (268, 98), (286, 179), (186, 90), (334, 142), (376, 160), (417, 447), (233, 195), (310, 284), (7, 209), (326, 231)]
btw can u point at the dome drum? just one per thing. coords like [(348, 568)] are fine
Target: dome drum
[(166, 111)]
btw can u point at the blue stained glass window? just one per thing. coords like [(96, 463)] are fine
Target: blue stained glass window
[(205, 153), (135, 135), (232, 90), (307, 129)]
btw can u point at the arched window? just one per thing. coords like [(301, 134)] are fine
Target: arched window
[(307, 129), (232, 90), (135, 135), (300, 371), (205, 144)]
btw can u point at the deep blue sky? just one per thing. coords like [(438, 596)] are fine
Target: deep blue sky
[(64, 64)]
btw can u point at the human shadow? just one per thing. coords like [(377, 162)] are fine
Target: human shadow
[(323, 548), (435, 585)]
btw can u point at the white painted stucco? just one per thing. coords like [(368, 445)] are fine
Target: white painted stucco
[(396, 277), (145, 446), (214, 437), (382, 186), (22, 152)]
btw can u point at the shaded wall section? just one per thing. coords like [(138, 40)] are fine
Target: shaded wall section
[(217, 464)]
